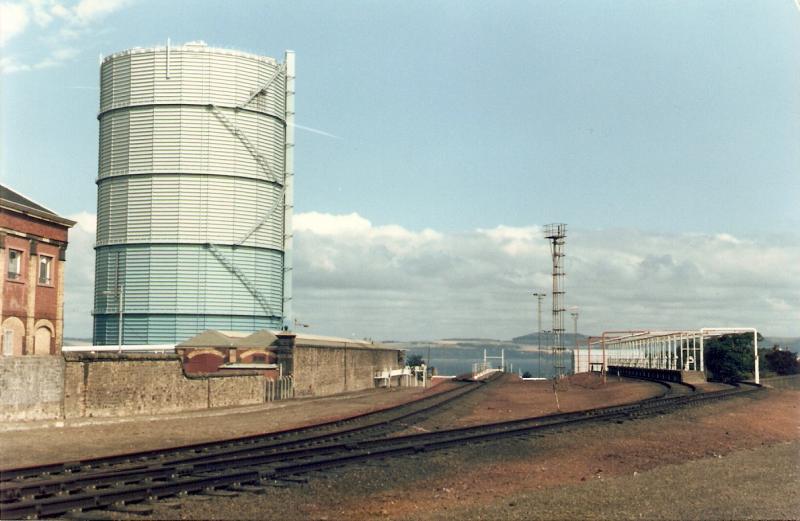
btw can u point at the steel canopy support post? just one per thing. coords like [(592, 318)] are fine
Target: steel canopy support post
[(603, 366), (683, 355), (702, 356), (674, 364), (589, 354)]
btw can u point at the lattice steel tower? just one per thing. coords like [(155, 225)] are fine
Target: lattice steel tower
[(556, 233)]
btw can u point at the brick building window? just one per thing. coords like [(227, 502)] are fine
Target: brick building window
[(14, 264), (8, 342), (45, 270)]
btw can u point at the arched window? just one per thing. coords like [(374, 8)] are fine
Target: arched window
[(12, 337), (42, 341)]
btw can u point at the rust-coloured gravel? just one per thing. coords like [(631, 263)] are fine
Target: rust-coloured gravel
[(705, 462)]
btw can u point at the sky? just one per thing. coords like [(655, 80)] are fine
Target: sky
[(436, 138)]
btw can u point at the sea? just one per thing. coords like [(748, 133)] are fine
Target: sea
[(459, 360)]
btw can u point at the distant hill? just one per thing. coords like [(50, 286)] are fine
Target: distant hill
[(793, 343), (492, 340), (77, 341), (533, 338), (454, 344)]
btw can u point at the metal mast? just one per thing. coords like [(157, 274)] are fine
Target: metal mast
[(556, 233)]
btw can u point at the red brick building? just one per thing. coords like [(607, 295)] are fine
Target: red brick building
[(33, 244)]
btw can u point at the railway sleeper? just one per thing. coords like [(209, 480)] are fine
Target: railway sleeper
[(130, 508), (283, 482), (169, 502), (251, 489), (218, 492), (89, 515)]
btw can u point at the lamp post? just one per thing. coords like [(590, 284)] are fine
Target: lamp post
[(574, 314), (428, 362), (539, 297), (119, 295)]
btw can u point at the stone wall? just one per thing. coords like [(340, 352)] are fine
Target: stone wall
[(83, 385), (31, 388), (226, 391), (323, 370), (131, 384)]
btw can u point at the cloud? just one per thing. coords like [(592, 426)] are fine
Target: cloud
[(14, 19), (79, 276), (56, 23), (356, 278), (10, 65), (88, 11), (41, 12), (350, 278)]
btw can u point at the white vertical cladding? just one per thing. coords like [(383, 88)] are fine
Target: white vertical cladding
[(288, 212), (181, 182)]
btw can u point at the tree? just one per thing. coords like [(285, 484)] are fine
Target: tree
[(414, 360), (729, 358), (782, 361)]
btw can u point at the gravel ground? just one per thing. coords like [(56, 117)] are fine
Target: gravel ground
[(511, 398), (732, 487), (736, 459)]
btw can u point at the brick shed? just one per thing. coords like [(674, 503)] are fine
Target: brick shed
[(318, 365)]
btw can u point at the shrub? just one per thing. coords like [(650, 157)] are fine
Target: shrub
[(782, 361), (414, 360), (729, 358)]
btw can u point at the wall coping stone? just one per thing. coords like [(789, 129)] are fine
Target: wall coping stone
[(155, 357), (119, 357), (345, 346)]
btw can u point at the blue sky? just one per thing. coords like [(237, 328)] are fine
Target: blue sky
[(625, 119)]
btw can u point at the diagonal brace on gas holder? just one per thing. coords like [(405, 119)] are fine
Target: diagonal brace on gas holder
[(225, 261), (263, 87), (266, 217), (261, 160)]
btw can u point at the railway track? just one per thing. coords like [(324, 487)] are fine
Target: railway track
[(252, 468), (366, 424)]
